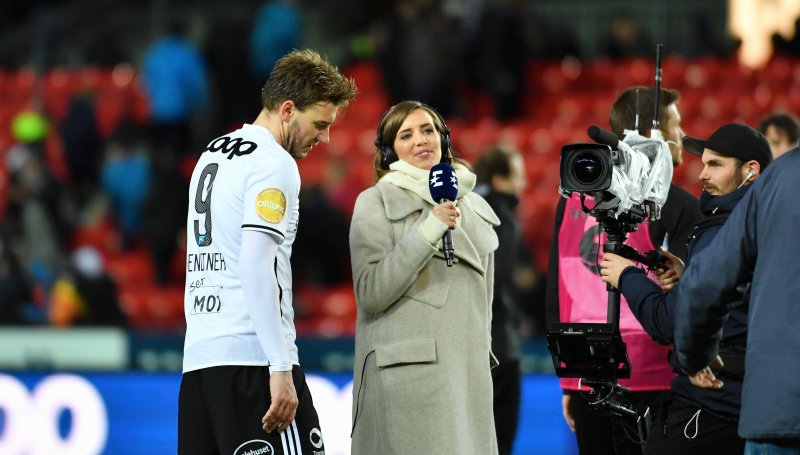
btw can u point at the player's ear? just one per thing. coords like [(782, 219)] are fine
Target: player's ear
[(285, 110)]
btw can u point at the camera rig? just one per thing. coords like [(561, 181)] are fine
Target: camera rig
[(596, 353), (629, 182)]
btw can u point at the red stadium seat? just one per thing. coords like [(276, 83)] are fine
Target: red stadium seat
[(131, 268)]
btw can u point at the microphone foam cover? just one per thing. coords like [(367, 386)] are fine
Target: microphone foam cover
[(443, 182)]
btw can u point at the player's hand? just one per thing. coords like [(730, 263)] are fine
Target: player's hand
[(611, 268), (283, 408), (567, 411), (705, 378)]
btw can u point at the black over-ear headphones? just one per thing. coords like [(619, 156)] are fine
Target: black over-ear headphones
[(388, 155)]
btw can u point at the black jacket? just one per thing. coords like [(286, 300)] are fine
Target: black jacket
[(509, 254), (655, 309), (759, 239)]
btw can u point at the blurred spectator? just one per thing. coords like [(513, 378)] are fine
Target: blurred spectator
[(501, 179), (550, 40), (166, 208), (626, 38), (15, 291), (782, 132), (86, 295), (790, 47), (417, 59), (126, 176), (175, 84), (321, 255), (36, 221), (704, 40), (82, 146), (275, 33), (233, 100), (500, 53)]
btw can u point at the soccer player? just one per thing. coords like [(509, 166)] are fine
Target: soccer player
[(243, 390)]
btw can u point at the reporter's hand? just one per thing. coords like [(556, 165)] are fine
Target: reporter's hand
[(567, 411), (611, 268), (447, 213), (705, 378), (283, 407)]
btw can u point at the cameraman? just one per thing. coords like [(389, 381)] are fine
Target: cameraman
[(575, 292), (699, 420)]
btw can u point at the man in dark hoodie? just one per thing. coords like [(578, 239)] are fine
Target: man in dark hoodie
[(700, 420)]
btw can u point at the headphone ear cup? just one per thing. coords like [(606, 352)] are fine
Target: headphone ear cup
[(387, 156), (445, 140)]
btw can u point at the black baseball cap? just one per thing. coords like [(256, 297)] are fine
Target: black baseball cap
[(736, 140)]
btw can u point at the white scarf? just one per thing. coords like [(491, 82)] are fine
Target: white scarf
[(414, 179)]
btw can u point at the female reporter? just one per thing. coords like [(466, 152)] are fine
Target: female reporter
[(422, 381)]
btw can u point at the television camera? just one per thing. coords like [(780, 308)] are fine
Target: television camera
[(622, 183)]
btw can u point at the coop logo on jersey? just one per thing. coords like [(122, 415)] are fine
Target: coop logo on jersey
[(271, 205), (255, 447), (231, 146)]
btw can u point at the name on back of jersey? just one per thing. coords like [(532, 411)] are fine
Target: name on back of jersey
[(205, 262)]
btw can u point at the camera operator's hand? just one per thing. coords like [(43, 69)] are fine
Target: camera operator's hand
[(705, 378), (669, 277), (566, 401), (611, 268)]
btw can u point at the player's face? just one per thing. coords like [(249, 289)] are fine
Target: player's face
[(721, 174), (309, 127), (673, 134), (417, 142), (778, 141)]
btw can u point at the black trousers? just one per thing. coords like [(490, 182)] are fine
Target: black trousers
[(600, 434), (681, 429), (506, 379), (220, 410)]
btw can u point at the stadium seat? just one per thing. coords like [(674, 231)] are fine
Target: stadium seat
[(102, 235), (131, 268)]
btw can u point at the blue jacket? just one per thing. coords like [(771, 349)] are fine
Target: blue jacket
[(655, 309), (175, 79), (759, 240)]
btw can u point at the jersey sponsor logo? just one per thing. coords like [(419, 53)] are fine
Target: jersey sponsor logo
[(255, 447), (231, 146), (205, 262), (271, 205)]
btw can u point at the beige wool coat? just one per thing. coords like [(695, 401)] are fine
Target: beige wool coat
[(422, 383)]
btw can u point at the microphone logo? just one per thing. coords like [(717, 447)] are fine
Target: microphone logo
[(435, 182), (443, 182)]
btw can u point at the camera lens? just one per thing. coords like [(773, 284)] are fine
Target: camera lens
[(588, 167)]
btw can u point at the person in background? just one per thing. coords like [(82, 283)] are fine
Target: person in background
[(501, 180), (243, 390), (575, 292), (733, 158), (423, 348), (176, 86), (757, 243), (782, 132)]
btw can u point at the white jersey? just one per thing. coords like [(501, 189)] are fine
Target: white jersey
[(243, 181)]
